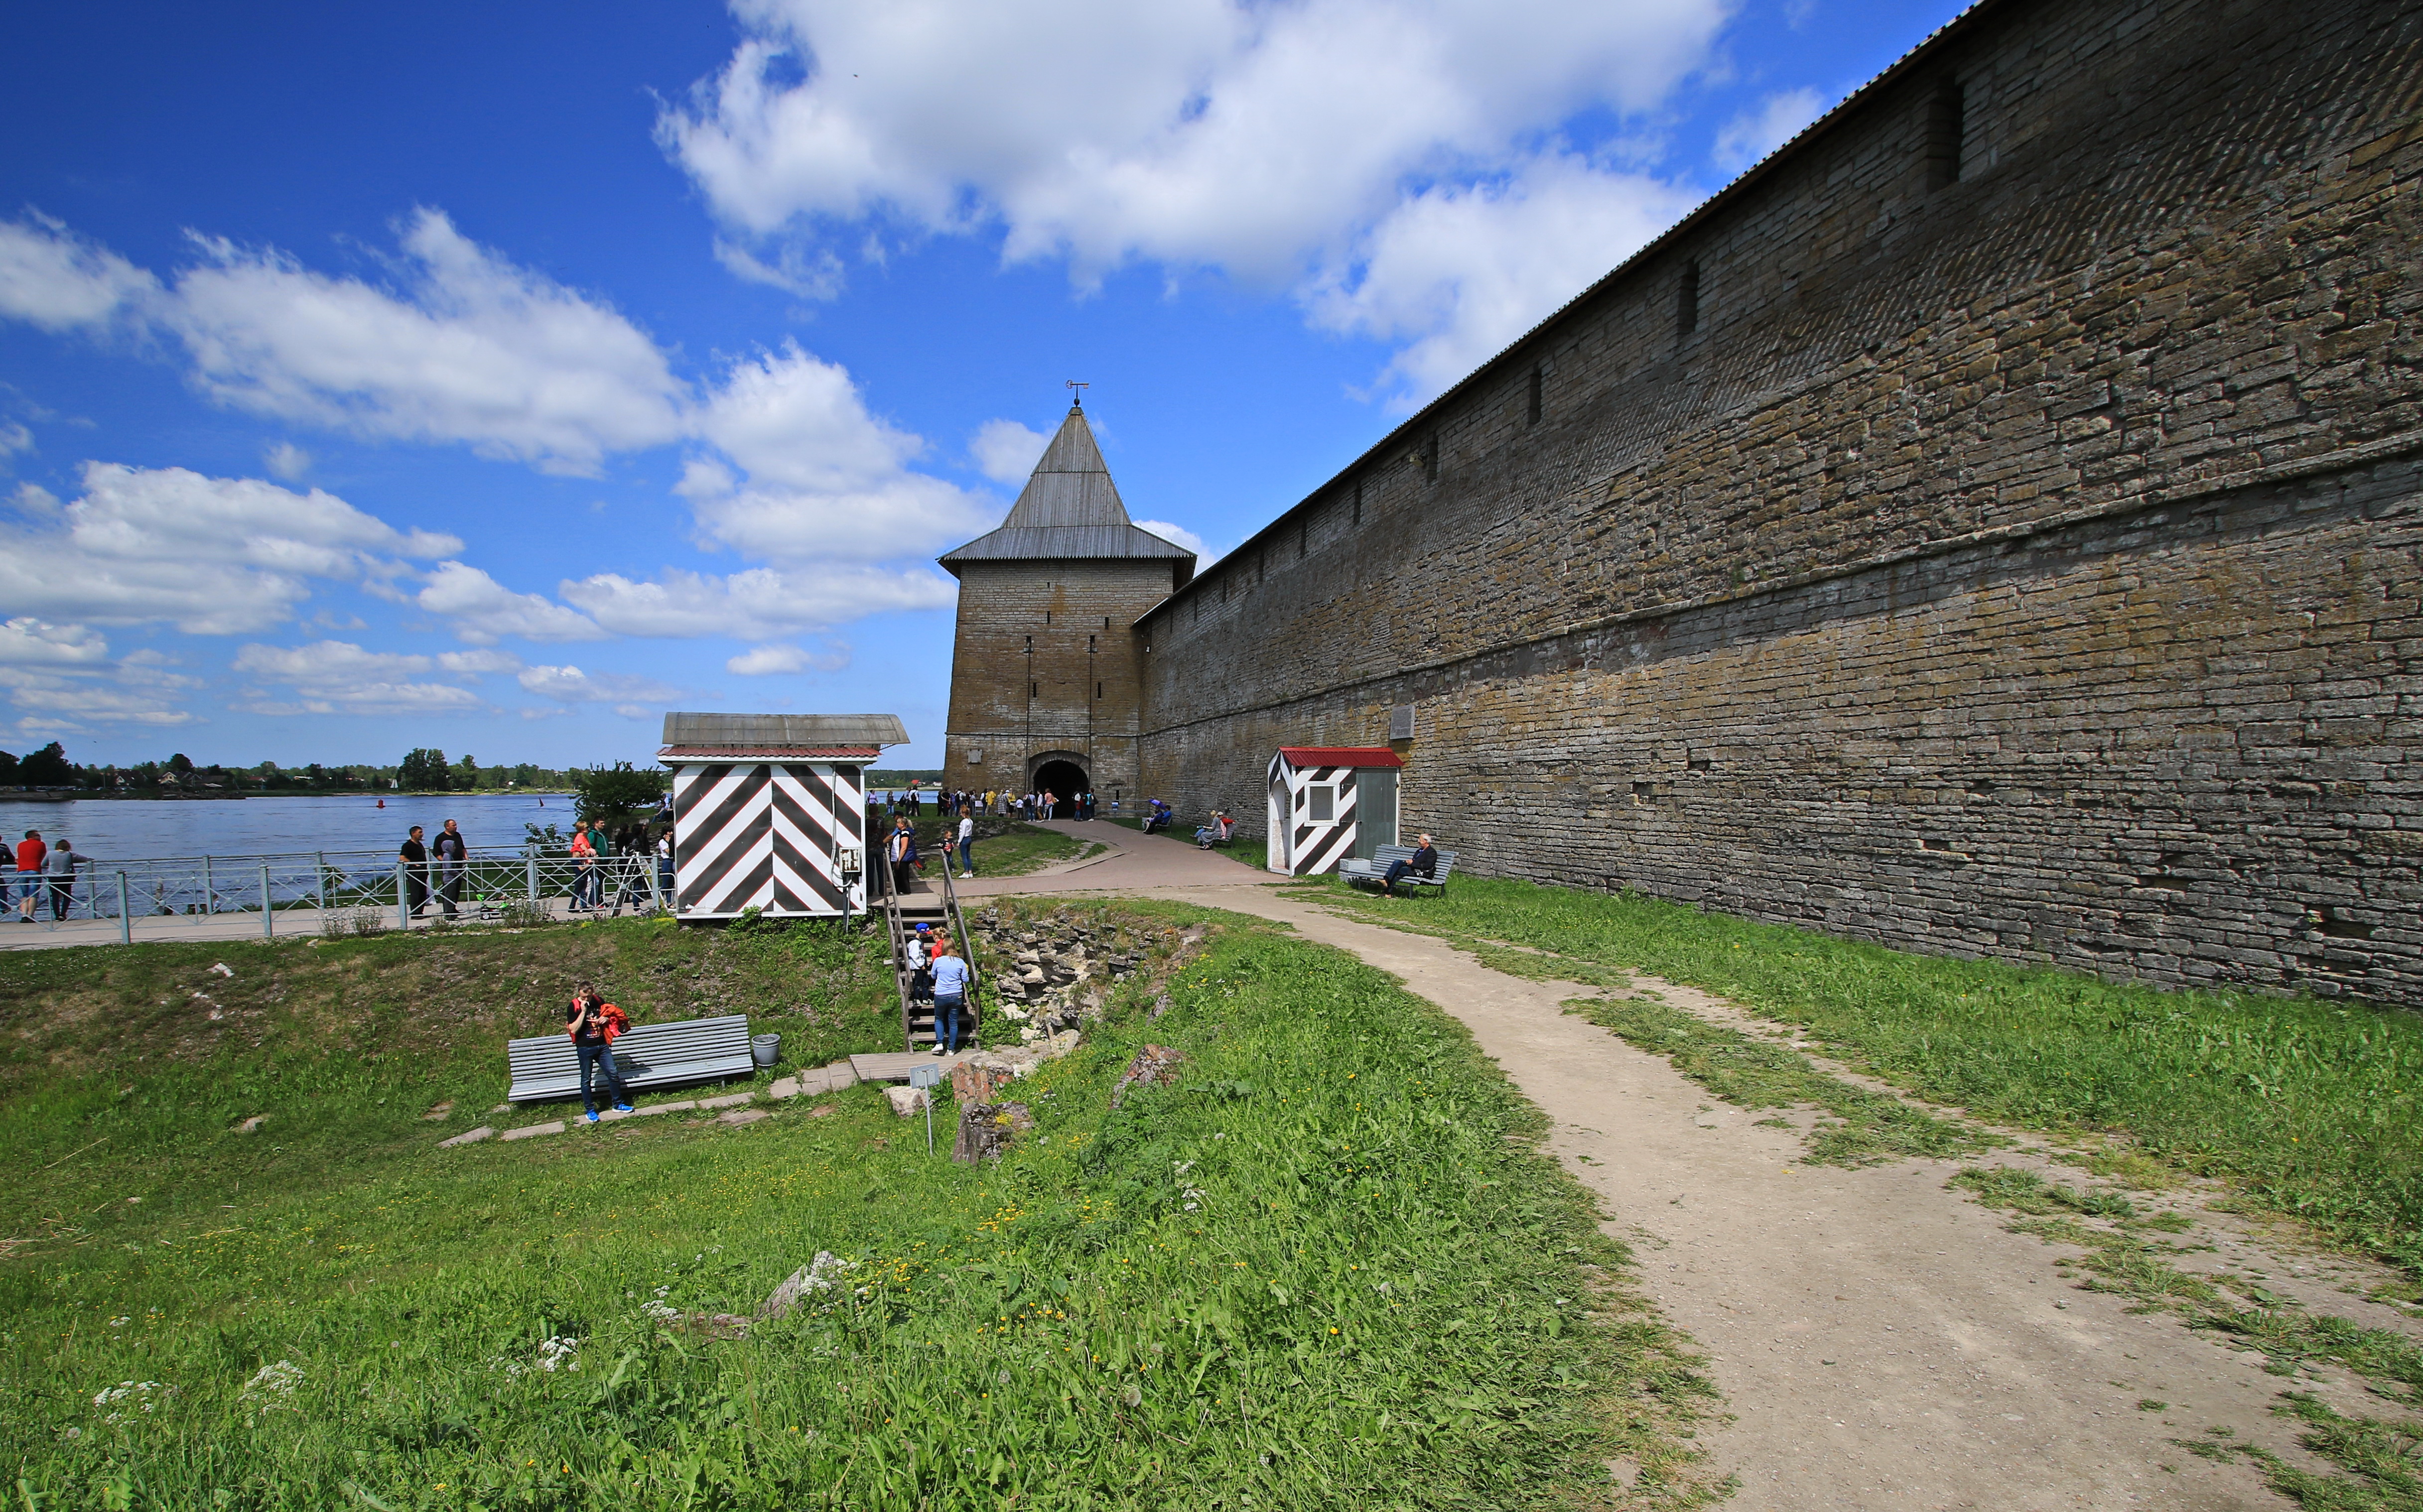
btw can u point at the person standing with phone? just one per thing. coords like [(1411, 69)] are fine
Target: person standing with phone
[(593, 1024)]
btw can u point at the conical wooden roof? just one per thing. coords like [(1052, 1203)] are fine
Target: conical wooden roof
[(1069, 511)]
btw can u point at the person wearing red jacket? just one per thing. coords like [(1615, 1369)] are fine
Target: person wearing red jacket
[(31, 854), (593, 1024)]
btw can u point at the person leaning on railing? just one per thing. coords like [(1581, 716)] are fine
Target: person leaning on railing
[(584, 876), (60, 869)]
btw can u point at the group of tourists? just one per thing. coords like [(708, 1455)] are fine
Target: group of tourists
[(453, 854), (939, 975), (437, 869), (900, 849), (42, 868), (999, 802)]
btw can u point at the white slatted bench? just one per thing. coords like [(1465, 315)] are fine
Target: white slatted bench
[(1359, 871), (647, 1055)]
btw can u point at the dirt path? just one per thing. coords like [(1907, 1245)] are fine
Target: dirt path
[(1881, 1341)]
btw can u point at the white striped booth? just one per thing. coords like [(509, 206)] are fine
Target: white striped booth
[(770, 811), (1329, 803)]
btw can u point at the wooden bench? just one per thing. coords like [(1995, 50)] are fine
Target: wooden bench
[(647, 1055), (1375, 871)]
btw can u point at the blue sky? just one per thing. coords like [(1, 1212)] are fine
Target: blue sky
[(498, 377)]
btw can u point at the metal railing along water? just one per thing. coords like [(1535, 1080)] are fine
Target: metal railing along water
[(305, 889)]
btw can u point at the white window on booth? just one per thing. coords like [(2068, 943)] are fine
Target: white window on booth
[(1321, 803)]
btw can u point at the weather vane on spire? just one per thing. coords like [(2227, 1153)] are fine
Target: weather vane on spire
[(1077, 394)]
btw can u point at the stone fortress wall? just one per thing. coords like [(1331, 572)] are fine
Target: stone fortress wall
[(1990, 526)]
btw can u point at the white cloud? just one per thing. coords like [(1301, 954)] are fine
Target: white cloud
[(570, 684), (485, 611), (1194, 133), (61, 282), (62, 676), (763, 661), (472, 663), (1006, 451), (1180, 536), (339, 677), (1754, 133), (468, 348), (211, 556), (759, 603), (286, 460), (1457, 272), (810, 274), (27, 642), (824, 477), (68, 708), (792, 468)]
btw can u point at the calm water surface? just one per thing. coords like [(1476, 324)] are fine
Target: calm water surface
[(124, 830)]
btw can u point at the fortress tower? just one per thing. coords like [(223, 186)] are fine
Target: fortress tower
[(1046, 686)]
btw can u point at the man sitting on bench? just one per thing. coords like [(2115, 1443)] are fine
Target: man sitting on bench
[(1423, 863), (1216, 832)]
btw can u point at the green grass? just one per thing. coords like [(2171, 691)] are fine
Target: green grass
[(1327, 1269), (1005, 847), (1865, 1128), (123, 1069), (2310, 1107)]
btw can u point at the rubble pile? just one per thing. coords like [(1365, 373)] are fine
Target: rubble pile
[(1050, 975), (988, 1129)]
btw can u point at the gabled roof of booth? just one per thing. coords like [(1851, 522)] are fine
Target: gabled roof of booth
[(797, 735), (1070, 509), (1303, 756)]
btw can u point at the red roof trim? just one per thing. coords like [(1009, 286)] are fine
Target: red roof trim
[(1340, 756), (770, 753)]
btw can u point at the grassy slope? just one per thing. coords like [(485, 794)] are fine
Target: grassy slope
[(344, 1045), (2311, 1106), (1375, 1298)]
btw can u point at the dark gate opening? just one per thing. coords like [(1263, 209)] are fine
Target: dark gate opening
[(1063, 780)]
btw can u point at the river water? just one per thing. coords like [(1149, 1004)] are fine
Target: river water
[(115, 830)]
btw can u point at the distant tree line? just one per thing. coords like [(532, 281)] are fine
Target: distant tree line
[(422, 770)]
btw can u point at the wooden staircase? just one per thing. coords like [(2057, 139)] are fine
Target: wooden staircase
[(923, 904)]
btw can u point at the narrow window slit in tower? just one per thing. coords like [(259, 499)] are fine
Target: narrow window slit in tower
[(1358, 501), (1531, 405), (1430, 458), (1687, 300), (1947, 126)]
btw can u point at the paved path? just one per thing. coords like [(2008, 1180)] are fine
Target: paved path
[(1881, 1342), (1136, 862)]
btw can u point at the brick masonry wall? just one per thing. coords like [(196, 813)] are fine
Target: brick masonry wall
[(2005, 567), (1084, 705)]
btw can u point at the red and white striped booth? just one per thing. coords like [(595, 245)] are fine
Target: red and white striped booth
[(1329, 803), (770, 811)]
